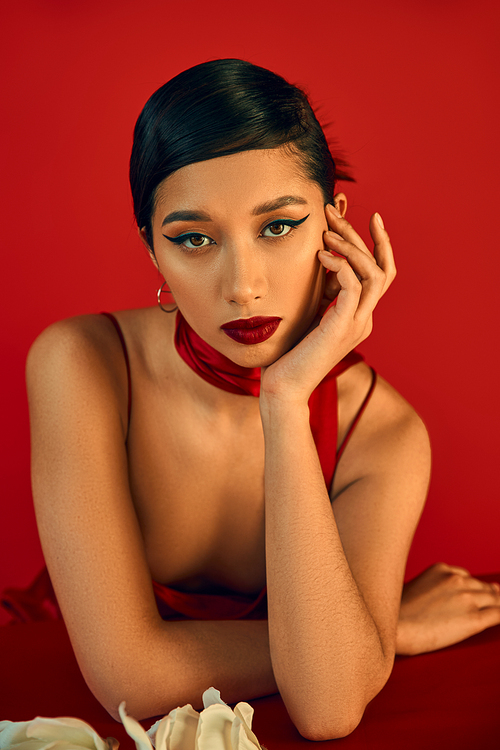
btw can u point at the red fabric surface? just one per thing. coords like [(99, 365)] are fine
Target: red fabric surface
[(449, 699), (179, 605)]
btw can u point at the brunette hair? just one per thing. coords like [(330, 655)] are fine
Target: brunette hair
[(218, 108)]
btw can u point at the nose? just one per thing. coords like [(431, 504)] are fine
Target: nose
[(244, 278)]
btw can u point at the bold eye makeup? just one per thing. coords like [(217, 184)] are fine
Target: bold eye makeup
[(197, 240)]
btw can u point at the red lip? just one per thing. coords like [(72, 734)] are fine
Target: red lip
[(251, 330), (259, 320)]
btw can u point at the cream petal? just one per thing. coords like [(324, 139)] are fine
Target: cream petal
[(159, 732), (242, 737), (12, 732), (245, 712), (134, 729), (183, 728), (66, 729), (151, 732), (27, 745), (214, 728), (211, 697), (46, 733)]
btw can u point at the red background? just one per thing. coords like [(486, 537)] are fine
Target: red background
[(412, 90)]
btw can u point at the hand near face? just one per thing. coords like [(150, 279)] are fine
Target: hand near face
[(356, 282)]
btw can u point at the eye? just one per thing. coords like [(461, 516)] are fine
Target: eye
[(277, 229), (196, 241), (282, 228)]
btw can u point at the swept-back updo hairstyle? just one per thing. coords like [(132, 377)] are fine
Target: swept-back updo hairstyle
[(218, 108)]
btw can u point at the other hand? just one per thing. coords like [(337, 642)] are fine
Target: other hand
[(442, 606)]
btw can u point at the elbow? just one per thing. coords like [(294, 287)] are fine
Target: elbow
[(135, 705), (335, 719), (332, 728), (122, 687), (328, 720)]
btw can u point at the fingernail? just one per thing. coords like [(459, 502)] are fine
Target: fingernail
[(379, 219), (334, 235)]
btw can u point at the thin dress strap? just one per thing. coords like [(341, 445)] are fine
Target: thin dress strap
[(119, 331), (358, 415)]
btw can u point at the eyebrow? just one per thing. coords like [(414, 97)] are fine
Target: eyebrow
[(263, 208)]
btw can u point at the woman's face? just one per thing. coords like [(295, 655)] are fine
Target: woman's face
[(235, 256)]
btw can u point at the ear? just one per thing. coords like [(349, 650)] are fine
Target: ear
[(144, 239), (340, 203)]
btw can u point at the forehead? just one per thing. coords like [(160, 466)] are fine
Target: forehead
[(240, 180)]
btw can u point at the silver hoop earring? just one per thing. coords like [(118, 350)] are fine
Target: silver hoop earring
[(158, 295)]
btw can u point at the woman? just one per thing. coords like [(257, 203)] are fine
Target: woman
[(198, 449)]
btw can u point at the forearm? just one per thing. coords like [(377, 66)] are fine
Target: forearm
[(180, 660), (326, 652)]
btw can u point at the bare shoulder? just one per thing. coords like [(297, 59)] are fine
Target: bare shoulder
[(75, 356), (74, 340), (390, 436)]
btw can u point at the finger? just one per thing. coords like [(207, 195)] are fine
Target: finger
[(350, 288), (382, 250), (445, 568), (457, 569), (363, 265), (342, 227), (332, 288), (334, 247), (487, 618), (369, 274), (480, 599)]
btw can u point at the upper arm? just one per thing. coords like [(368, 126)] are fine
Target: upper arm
[(378, 496), (87, 523)]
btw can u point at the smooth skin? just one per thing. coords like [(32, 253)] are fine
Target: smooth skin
[(223, 493)]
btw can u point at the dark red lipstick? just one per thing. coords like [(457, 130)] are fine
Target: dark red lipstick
[(251, 330)]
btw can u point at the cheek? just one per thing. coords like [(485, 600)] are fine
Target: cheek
[(302, 273), (187, 280)]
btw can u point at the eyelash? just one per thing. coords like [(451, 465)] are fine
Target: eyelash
[(293, 224)]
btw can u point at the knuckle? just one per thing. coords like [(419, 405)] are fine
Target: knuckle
[(468, 600), (441, 567), (456, 580)]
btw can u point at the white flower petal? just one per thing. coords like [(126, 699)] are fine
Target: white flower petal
[(184, 723), (28, 745), (242, 737), (158, 733), (134, 729), (11, 733), (214, 728), (245, 712), (152, 731), (211, 697), (66, 729), (64, 732)]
